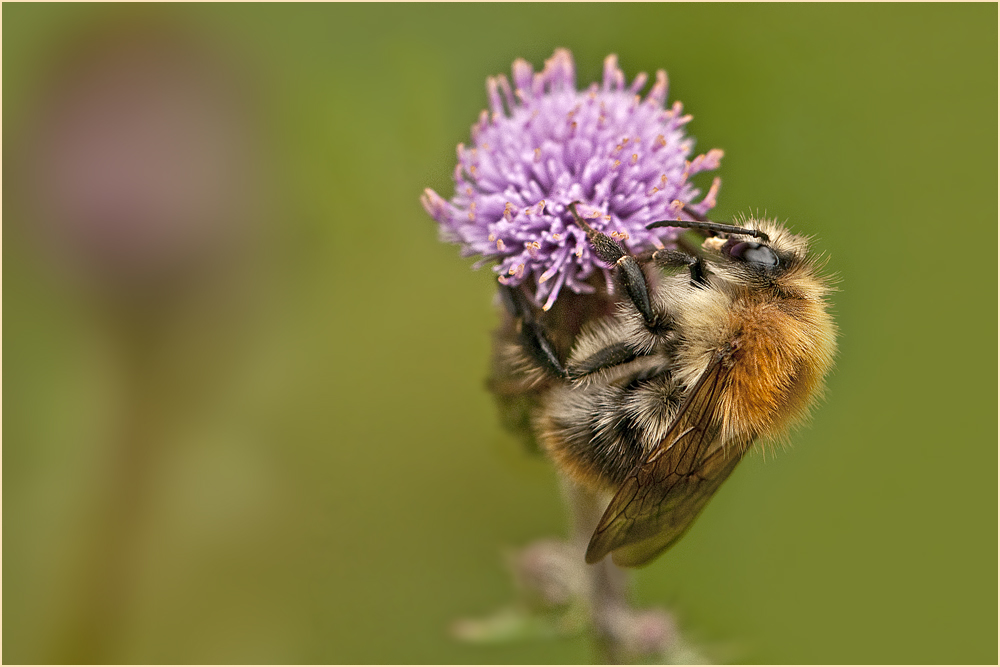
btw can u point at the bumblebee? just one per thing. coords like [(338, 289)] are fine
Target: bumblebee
[(648, 395)]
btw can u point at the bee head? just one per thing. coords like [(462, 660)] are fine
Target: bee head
[(760, 253), (755, 253)]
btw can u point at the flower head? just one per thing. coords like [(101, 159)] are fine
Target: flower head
[(544, 145)]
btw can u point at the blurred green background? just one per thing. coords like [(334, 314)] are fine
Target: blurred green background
[(275, 445)]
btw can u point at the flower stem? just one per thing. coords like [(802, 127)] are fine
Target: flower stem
[(608, 583)]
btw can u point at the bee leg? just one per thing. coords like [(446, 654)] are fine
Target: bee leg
[(533, 338), (628, 271), (615, 354), (675, 258)]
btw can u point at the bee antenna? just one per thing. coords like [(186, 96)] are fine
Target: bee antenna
[(710, 226)]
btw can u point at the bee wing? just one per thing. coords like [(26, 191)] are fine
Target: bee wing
[(662, 497)]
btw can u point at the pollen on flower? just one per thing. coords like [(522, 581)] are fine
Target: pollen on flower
[(541, 145)]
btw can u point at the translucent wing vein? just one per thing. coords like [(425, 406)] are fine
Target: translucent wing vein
[(662, 497)]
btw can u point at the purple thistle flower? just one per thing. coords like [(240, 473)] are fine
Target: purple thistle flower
[(544, 145)]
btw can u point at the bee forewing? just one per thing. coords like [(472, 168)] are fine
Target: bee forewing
[(659, 501), (668, 522)]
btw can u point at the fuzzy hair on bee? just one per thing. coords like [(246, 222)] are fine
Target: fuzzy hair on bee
[(648, 395)]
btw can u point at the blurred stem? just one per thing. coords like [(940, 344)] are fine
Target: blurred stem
[(104, 575), (168, 342), (608, 583)]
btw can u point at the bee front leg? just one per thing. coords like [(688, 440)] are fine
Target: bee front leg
[(676, 258), (628, 273)]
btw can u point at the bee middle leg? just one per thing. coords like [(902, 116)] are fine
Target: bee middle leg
[(613, 355), (536, 344), (533, 338)]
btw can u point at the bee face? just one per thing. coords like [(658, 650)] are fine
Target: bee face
[(656, 401), (781, 263)]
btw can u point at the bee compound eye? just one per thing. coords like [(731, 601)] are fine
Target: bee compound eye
[(751, 252)]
